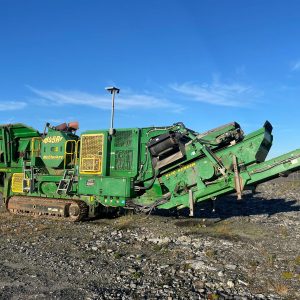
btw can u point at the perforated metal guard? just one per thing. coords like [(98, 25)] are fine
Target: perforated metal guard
[(123, 160), (91, 153), (17, 183), (123, 138)]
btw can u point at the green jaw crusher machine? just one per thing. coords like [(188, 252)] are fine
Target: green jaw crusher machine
[(60, 174)]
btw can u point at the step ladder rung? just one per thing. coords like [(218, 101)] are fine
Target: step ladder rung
[(65, 184)]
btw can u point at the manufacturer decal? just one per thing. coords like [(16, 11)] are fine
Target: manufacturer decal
[(181, 169), (52, 139), (90, 182), (53, 157)]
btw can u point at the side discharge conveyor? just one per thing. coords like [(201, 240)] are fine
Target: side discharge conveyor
[(59, 174), (252, 176), (232, 168)]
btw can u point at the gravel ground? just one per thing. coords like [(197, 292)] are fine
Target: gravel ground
[(245, 250)]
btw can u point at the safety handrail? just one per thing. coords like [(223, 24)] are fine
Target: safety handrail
[(36, 151), (72, 154)]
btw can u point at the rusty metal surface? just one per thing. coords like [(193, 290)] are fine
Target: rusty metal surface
[(72, 210)]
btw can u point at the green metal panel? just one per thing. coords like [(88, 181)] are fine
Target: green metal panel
[(53, 145), (105, 186), (15, 143), (124, 153)]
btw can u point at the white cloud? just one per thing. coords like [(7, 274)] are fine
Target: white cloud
[(296, 65), (124, 101), (217, 93), (12, 105)]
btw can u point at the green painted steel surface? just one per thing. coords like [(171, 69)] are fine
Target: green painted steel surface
[(137, 168), (54, 148)]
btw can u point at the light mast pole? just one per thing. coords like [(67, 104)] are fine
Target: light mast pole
[(113, 90)]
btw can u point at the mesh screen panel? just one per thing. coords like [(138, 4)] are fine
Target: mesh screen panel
[(91, 154), (123, 160), (123, 138), (17, 183)]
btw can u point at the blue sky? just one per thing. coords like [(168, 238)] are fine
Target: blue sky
[(205, 63)]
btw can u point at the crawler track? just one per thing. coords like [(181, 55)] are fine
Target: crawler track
[(71, 210)]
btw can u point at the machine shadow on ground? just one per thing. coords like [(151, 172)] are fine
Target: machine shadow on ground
[(228, 206)]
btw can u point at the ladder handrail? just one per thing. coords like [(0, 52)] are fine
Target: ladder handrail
[(33, 150), (72, 154)]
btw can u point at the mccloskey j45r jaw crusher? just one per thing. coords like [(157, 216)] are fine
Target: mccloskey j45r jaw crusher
[(61, 174)]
